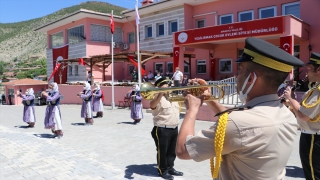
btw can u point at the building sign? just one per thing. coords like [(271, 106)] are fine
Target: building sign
[(262, 27)]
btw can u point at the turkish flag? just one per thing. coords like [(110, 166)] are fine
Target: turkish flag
[(176, 54), (55, 70), (131, 58), (286, 44), (111, 24), (58, 55), (81, 62)]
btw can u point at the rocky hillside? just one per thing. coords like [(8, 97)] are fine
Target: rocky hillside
[(19, 42)]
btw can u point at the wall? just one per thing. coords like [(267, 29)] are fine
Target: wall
[(17, 100), (163, 43)]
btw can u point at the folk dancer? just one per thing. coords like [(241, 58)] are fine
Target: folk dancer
[(254, 141), (28, 110), (86, 109), (136, 104), (52, 118), (308, 117), (98, 97), (165, 131)]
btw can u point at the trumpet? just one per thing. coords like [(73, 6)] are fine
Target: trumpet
[(148, 92)]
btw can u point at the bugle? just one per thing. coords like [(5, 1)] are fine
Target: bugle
[(148, 92)]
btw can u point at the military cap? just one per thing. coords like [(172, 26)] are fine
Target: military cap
[(269, 55), (161, 81), (315, 58)]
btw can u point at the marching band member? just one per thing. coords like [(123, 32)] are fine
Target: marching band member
[(86, 109), (136, 104), (97, 105), (28, 110), (52, 118), (165, 131), (254, 141), (308, 116)]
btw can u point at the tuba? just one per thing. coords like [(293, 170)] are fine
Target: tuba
[(148, 92)]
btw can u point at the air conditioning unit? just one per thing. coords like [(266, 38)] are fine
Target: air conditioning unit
[(116, 45), (125, 46)]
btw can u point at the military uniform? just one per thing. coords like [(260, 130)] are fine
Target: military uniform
[(310, 132), (165, 132), (254, 141)]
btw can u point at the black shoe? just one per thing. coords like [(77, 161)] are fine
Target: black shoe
[(174, 172), (166, 175)]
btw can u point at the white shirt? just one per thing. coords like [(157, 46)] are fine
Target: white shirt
[(177, 76)]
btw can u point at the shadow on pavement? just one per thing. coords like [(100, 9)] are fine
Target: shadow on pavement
[(132, 123), (24, 127), (294, 171), (142, 169), (45, 136), (78, 124)]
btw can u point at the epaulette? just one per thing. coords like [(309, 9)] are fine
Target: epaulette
[(233, 109)]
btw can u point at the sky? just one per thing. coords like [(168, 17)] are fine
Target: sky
[(21, 10)]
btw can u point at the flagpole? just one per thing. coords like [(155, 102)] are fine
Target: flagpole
[(138, 47), (112, 68)]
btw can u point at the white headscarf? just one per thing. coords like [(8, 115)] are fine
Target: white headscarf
[(97, 86), (30, 92), (54, 86), (137, 87), (87, 86)]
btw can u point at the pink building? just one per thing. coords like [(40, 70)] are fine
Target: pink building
[(206, 36)]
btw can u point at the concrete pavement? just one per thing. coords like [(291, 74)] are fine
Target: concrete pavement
[(113, 148)]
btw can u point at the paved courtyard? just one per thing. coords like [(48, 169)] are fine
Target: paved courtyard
[(113, 148)]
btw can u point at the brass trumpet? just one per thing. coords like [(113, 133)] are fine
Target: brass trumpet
[(148, 92)]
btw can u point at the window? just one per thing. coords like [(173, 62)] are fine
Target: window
[(76, 70), (131, 38), (160, 29), (56, 39), (148, 31), (225, 66), (130, 69), (201, 23), (70, 70), (159, 67), (201, 67), (291, 8), (245, 16), (169, 67), (186, 68), (173, 26), (226, 19), (267, 12), (76, 34), (103, 34)]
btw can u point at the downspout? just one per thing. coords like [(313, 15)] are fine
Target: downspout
[(215, 16)]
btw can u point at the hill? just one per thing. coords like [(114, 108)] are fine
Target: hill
[(19, 42)]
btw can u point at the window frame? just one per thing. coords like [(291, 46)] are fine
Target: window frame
[(155, 67), (270, 7), (130, 67), (157, 29), (146, 31), (204, 23), (167, 67), (186, 65), (197, 64), (244, 12), (289, 4), (169, 26), (221, 16), (76, 70), (51, 45), (225, 59), (68, 42), (129, 38), (70, 70)]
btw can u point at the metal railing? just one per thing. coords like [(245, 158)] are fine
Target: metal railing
[(230, 91)]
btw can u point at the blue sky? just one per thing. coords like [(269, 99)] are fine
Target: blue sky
[(20, 10)]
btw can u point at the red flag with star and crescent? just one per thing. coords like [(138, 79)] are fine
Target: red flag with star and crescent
[(58, 55), (131, 58), (111, 24)]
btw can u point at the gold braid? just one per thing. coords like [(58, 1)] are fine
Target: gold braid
[(218, 144), (312, 105)]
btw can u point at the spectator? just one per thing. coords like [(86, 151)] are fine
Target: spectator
[(134, 76), (150, 76), (185, 80), (177, 78), (167, 75), (157, 76), (89, 77)]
